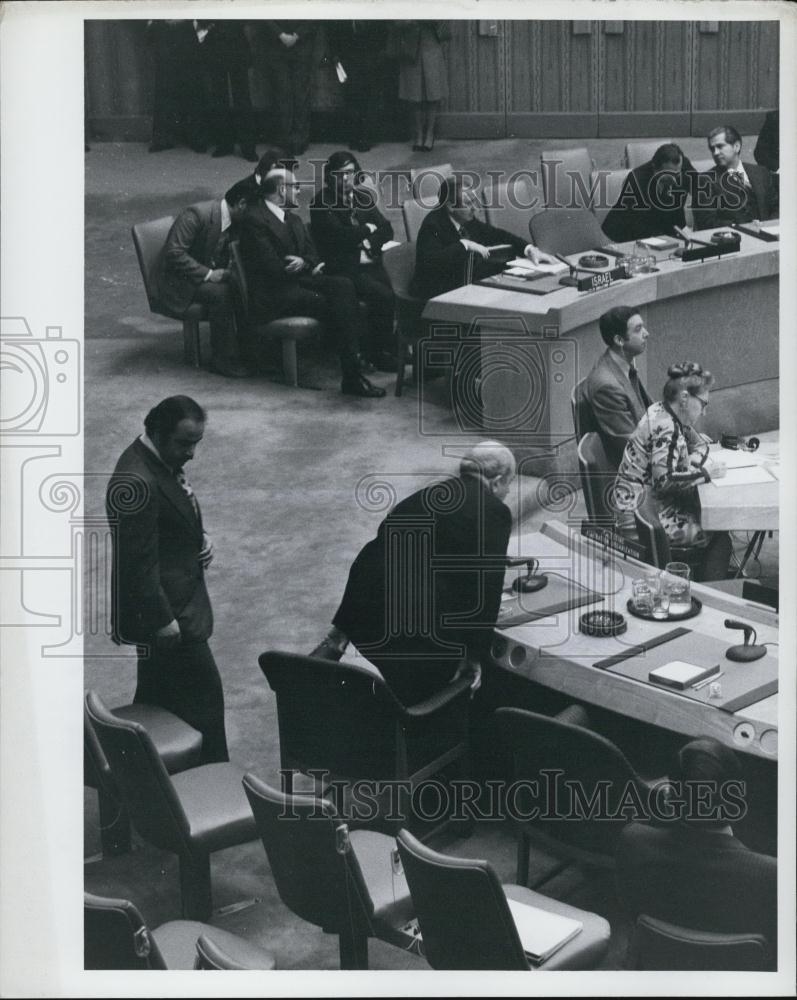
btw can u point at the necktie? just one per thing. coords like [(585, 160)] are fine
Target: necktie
[(185, 486), (633, 378)]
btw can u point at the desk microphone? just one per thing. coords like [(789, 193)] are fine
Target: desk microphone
[(532, 581), (691, 239), (749, 651), (571, 279)]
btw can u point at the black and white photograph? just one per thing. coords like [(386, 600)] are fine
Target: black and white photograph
[(396, 520)]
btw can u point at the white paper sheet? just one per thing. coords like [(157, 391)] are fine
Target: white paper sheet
[(746, 476)]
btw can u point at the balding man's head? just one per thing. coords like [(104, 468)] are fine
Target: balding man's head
[(491, 462), (279, 185)]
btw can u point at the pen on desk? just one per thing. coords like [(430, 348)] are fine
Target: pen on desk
[(708, 680)]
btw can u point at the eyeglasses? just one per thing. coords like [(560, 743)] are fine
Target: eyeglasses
[(703, 404)]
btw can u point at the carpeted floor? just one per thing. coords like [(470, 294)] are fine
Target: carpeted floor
[(278, 474)]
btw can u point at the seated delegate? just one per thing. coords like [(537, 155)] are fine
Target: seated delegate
[(453, 245), (669, 457), (652, 200), (732, 191)]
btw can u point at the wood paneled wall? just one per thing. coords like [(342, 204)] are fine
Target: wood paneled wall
[(514, 78)]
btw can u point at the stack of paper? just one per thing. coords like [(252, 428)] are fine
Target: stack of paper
[(526, 265), (542, 933)]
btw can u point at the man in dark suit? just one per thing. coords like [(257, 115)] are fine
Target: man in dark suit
[(160, 601), (350, 231), (422, 597), (692, 871), (286, 278), (652, 200), (732, 191), (453, 245), (224, 49), (178, 101), (194, 267), (767, 148), (613, 390), (291, 47), (359, 46)]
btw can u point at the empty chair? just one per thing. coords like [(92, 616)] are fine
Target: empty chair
[(399, 264), (657, 945), (413, 213), (193, 813), (597, 478), (287, 330), (608, 186), (346, 883), (583, 417), (641, 151), (115, 936), (511, 204), (566, 231), (149, 239), (566, 177), (343, 719), (466, 922), (591, 770), (178, 745)]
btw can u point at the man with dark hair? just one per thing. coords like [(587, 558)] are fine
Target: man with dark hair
[(159, 598), (691, 871), (286, 278), (652, 200), (194, 267), (454, 246), (422, 598), (613, 389), (732, 191)]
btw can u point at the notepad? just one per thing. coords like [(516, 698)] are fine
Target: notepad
[(554, 267), (542, 933), (772, 230), (659, 243), (745, 476), (681, 675)]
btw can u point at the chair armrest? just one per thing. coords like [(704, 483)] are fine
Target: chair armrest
[(450, 693)]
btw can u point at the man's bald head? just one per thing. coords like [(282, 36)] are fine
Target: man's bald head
[(493, 463), (279, 185)]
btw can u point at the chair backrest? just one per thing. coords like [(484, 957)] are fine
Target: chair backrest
[(116, 937), (215, 953), (337, 717), (657, 945), (462, 911), (566, 175), (579, 799), (608, 186), (399, 264), (641, 151), (96, 769), (149, 239), (743, 409), (511, 205), (301, 835), (425, 182), (703, 166), (651, 534), (413, 213), (566, 231), (142, 780), (583, 417), (597, 476)]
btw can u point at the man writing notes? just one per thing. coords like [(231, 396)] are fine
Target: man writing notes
[(161, 552), (732, 191), (613, 389), (422, 597)]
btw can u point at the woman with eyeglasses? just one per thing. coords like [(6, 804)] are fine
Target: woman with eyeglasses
[(670, 458)]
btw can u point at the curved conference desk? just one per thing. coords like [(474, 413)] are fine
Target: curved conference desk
[(517, 356)]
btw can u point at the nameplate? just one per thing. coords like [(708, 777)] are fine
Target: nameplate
[(606, 536)]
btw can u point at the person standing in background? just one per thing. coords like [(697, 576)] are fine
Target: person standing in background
[(359, 46), (178, 103), (423, 75), (291, 48), (226, 58)]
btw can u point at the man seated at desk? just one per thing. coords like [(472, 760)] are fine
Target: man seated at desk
[(651, 202), (613, 390), (453, 246), (692, 871), (732, 191)]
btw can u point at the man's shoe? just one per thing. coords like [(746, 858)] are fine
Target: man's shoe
[(220, 151), (384, 361), (326, 650), (358, 385), (230, 369), (249, 153)]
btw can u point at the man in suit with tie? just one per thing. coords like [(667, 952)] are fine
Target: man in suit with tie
[(160, 601), (732, 191), (613, 389), (286, 278), (194, 267)]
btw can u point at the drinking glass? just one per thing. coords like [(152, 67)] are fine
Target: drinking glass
[(661, 605), (677, 586), (642, 596)]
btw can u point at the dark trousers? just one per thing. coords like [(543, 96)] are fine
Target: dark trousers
[(717, 557), (364, 94), (330, 299), (178, 106), (372, 286), (228, 124), (219, 297), (185, 680), (291, 76)]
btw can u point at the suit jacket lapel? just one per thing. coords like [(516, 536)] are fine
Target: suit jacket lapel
[(620, 376), (171, 489)]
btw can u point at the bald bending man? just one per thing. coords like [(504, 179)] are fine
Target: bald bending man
[(423, 596)]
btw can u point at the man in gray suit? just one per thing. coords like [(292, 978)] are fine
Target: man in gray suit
[(194, 267), (613, 389), (160, 601)]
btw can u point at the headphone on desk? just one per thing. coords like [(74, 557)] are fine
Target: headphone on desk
[(735, 443)]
